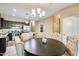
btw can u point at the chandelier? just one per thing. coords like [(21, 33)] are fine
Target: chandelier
[(38, 12)]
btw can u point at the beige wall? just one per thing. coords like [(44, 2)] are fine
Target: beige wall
[(56, 24), (47, 26), (72, 10)]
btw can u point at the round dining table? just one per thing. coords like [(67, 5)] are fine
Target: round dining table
[(36, 47)]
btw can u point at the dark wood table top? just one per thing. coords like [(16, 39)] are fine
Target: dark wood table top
[(52, 48)]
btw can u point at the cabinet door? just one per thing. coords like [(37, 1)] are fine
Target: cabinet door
[(2, 45), (0, 23)]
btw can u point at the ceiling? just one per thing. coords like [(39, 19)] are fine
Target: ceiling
[(72, 10), (23, 9)]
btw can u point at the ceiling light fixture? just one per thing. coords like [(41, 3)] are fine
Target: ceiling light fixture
[(37, 12)]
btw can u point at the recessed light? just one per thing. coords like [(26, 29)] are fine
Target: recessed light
[(13, 14), (27, 22), (14, 9)]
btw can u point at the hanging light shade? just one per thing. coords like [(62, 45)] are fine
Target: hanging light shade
[(40, 15), (43, 13), (38, 12), (33, 12)]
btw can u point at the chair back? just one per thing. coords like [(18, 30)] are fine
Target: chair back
[(56, 36), (40, 35), (26, 36), (71, 44), (77, 50)]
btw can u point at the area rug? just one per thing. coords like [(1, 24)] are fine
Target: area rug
[(10, 51)]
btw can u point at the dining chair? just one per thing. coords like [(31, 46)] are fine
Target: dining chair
[(26, 36), (77, 51), (40, 35), (19, 46), (56, 36), (71, 45)]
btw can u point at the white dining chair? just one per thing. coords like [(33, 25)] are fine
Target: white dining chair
[(19, 46), (77, 48)]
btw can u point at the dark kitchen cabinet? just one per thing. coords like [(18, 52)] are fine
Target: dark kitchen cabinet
[(2, 45), (1, 22)]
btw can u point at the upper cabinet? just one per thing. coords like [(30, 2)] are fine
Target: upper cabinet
[(1, 22), (10, 24)]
